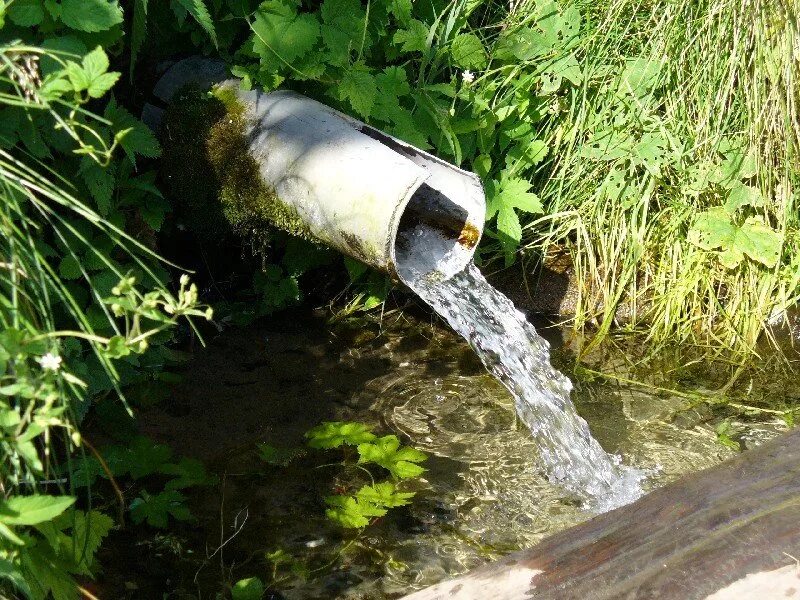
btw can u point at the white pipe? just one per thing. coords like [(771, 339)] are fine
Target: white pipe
[(359, 190)]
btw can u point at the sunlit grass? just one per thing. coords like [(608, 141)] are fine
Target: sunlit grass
[(727, 71)]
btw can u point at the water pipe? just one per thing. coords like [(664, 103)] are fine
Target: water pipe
[(359, 190)]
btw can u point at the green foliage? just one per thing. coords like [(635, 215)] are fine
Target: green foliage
[(155, 509), (334, 434), (279, 457), (387, 452), (44, 544), (356, 511), (251, 588)]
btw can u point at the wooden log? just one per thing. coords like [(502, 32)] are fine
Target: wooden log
[(729, 532)]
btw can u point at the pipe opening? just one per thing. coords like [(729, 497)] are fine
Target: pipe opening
[(434, 235)]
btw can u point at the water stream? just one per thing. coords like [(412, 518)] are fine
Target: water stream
[(512, 350)]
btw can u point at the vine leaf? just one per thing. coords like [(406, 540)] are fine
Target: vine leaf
[(281, 36), (333, 434), (414, 38)]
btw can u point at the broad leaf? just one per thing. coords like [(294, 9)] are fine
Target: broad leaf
[(90, 15), (714, 230), (248, 589), (31, 510), (26, 13), (468, 52)]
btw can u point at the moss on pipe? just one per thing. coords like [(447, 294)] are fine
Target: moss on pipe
[(212, 176)]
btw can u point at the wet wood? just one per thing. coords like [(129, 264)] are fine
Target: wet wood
[(729, 532)]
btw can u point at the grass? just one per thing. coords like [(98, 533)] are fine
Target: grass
[(673, 93)]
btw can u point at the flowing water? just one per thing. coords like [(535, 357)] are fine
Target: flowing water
[(519, 358)]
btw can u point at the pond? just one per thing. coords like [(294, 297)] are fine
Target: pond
[(403, 373)]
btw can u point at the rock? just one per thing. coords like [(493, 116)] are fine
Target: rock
[(731, 531)]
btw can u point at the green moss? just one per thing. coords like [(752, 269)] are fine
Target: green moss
[(211, 174)]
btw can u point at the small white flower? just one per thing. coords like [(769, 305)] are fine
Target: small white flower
[(468, 76), (50, 362)]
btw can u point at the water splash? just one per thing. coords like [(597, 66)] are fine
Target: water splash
[(519, 357)]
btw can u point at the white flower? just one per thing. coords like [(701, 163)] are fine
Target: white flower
[(50, 362), (468, 76)]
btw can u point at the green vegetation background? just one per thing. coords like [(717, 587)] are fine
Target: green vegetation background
[(653, 144)]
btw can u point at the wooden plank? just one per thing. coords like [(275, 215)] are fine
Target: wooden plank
[(731, 531)]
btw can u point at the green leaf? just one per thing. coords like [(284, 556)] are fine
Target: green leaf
[(509, 227), (31, 510), (138, 31), (100, 182), (384, 494), (512, 192), (26, 13), (88, 531), (280, 35), (139, 458), (199, 12), (69, 268), (358, 87), (401, 9), (639, 77), (743, 195), (247, 589), (714, 230), (387, 453), (468, 52), (279, 457), (90, 15), (342, 29), (117, 347), (156, 509), (333, 434), (350, 513), (11, 573), (139, 138), (414, 38), (189, 472), (528, 152)]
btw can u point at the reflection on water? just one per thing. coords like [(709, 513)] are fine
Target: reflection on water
[(482, 496)]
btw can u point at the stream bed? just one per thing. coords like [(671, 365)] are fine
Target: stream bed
[(482, 495)]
